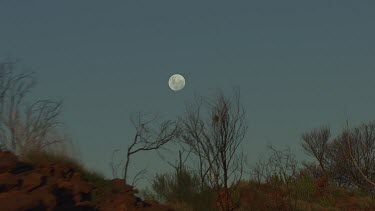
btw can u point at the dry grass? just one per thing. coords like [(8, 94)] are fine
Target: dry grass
[(63, 152), (56, 154)]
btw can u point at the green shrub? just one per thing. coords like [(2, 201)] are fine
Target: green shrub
[(248, 196), (304, 187), (338, 192), (182, 190), (276, 181), (327, 201), (363, 203)]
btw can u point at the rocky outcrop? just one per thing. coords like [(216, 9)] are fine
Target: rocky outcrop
[(59, 186), (122, 197)]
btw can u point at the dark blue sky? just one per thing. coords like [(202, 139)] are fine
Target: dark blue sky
[(298, 64)]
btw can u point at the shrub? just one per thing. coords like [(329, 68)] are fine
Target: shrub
[(57, 154), (182, 190), (327, 201), (304, 187)]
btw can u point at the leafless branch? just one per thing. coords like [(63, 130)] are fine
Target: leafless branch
[(315, 143), (148, 138), (23, 127), (214, 137)]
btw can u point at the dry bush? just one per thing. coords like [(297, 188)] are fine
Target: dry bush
[(148, 136), (279, 171), (304, 186), (315, 143), (23, 124), (62, 151), (214, 132), (348, 160), (182, 190)]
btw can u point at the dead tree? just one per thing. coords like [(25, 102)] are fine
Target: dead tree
[(23, 126), (147, 138), (361, 147), (279, 170), (349, 158), (41, 119), (13, 89), (180, 165), (315, 144), (214, 136)]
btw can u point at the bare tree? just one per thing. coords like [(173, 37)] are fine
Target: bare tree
[(282, 163), (147, 138), (279, 169), (13, 89), (214, 136), (41, 118), (349, 159), (361, 147), (180, 165), (315, 144), (22, 126)]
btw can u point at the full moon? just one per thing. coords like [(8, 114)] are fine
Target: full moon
[(176, 82)]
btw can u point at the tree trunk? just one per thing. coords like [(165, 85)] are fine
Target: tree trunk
[(126, 165)]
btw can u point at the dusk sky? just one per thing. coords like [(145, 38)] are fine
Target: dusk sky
[(298, 64)]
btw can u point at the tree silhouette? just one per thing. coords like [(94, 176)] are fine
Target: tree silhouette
[(23, 126), (214, 136), (148, 138)]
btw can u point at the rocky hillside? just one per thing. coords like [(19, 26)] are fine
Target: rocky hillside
[(60, 186)]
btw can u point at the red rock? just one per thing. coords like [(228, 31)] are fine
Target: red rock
[(85, 204), (31, 180), (7, 182), (17, 200), (62, 184), (47, 197), (59, 186), (77, 198), (79, 184), (119, 186), (7, 161), (76, 176)]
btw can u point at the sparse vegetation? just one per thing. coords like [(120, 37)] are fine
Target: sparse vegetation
[(214, 131), (182, 189), (60, 154), (24, 125), (280, 182), (347, 160)]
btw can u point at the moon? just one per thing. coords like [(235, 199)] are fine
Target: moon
[(176, 82)]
